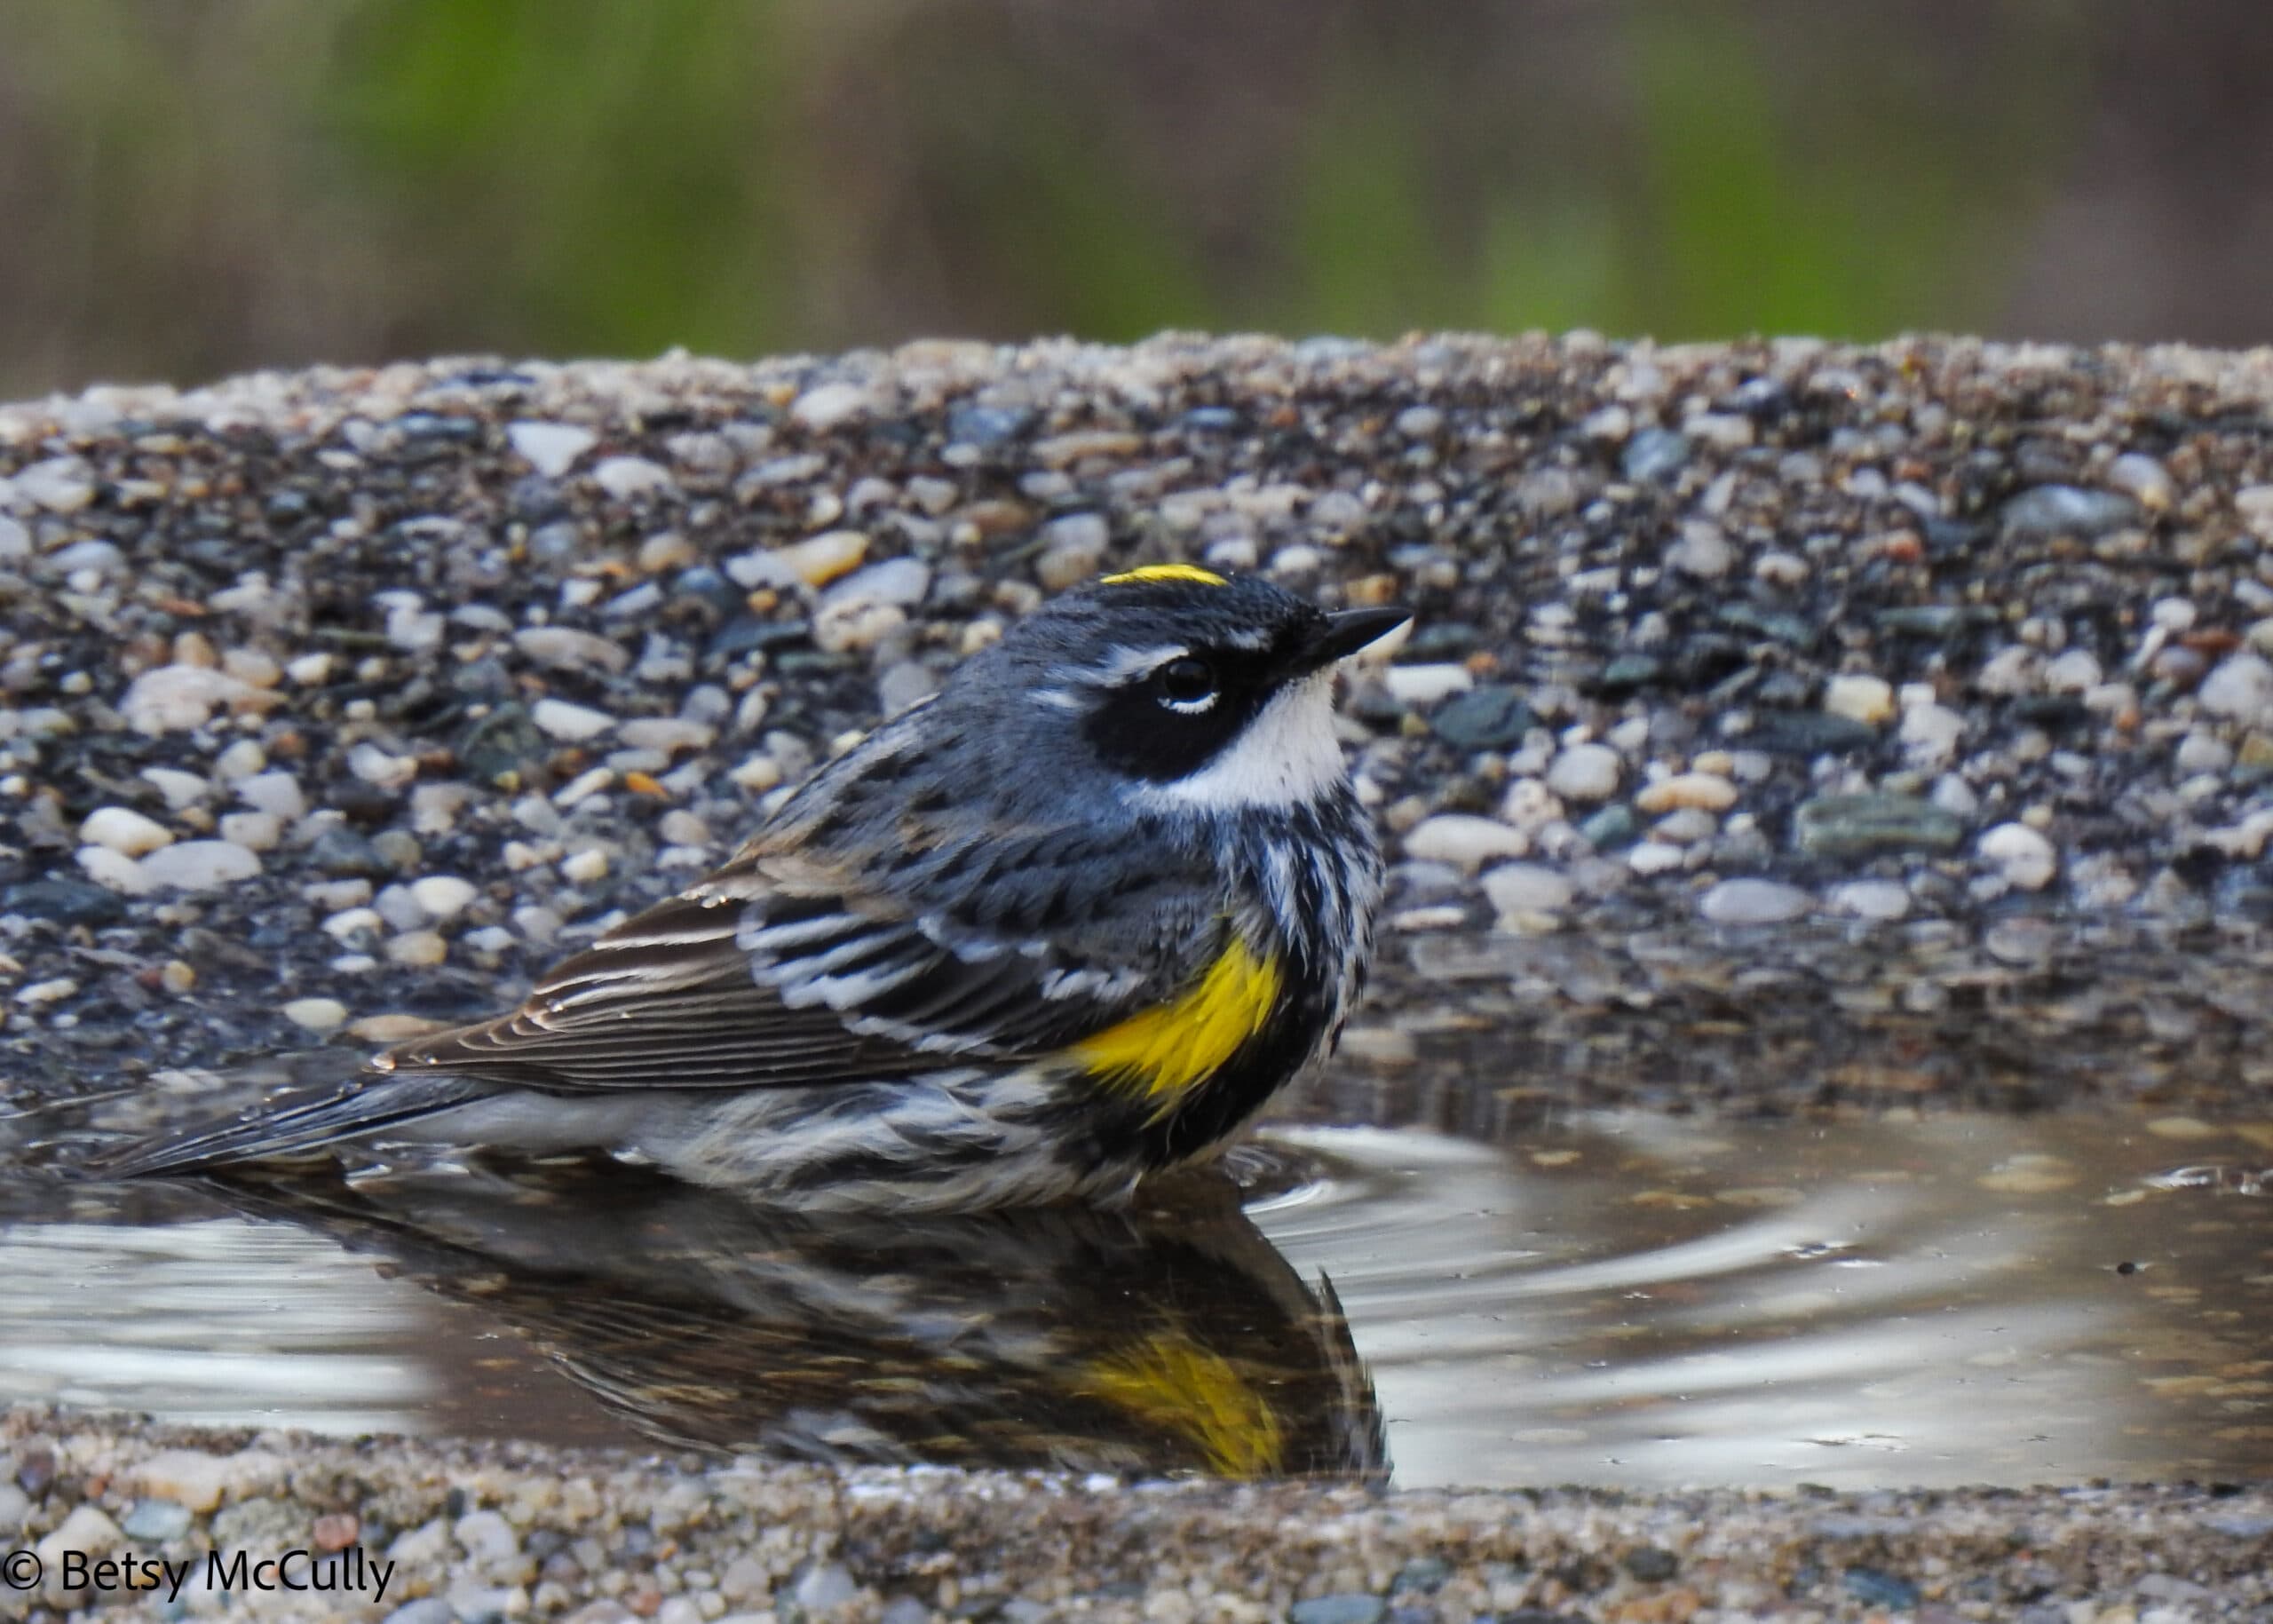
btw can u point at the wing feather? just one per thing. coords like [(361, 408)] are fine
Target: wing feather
[(784, 971)]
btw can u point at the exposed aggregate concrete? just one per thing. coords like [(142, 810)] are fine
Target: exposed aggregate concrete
[(1785, 726)]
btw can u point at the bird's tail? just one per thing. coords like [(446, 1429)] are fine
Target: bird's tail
[(290, 1120)]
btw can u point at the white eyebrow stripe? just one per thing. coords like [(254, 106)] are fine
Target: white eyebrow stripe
[(1119, 666)]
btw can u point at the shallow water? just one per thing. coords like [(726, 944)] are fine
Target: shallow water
[(1620, 1300)]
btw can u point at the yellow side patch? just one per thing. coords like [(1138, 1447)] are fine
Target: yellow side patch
[(1166, 1051), (1167, 571), (1172, 1384)]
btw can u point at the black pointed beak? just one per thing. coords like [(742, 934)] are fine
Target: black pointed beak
[(1345, 633)]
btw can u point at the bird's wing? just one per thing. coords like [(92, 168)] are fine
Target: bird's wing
[(790, 969)]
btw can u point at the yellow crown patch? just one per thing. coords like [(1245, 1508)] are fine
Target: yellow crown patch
[(1166, 572)]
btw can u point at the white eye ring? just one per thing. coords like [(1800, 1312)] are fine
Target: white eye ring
[(1201, 706)]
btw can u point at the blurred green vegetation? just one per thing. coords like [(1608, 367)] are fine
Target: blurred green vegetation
[(207, 187)]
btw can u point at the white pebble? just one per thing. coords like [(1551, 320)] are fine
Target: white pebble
[(1520, 890), (241, 759), (582, 868), (275, 792), (1704, 791), (442, 896), (310, 670), (1872, 899), (1647, 857), (373, 765), (1753, 902), (564, 648), (123, 830), (2240, 687), (629, 477), (1702, 550), (2077, 671), (177, 698), (434, 807), (199, 865), (256, 831), (681, 828), (1859, 699), (759, 773), (552, 448), (2022, 856), (1931, 733), (830, 404), (46, 992), (420, 949), (1584, 772), (666, 733), (353, 922), (1071, 549), (316, 1014), (59, 484), (1425, 685), (1464, 838), (112, 870), (181, 790), (901, 582), (572, 724)]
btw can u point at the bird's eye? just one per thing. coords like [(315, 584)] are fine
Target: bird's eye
[(1186, 683)]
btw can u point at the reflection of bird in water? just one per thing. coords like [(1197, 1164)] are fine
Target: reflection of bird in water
[(1153, 1340)]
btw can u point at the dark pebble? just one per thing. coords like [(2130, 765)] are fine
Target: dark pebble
[(505, 741), (1879, 1589), (748, 633), (1351, 1608), (344, 854), (556, 544), (364, 804), (1628, 674), (2053, 712), (708, 586), (67, 902), (1652, 1564), (1447, 640), (1808, 732), (987, 427), (1789, 629), (1422, 1575), (1922, 620), (1493, 717), (1653, 454), (1211, 419), (36, 1471), (1610, 827), (535, 500), (1863, 825)]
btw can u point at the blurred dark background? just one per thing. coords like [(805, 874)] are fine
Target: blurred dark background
[(192, 187)]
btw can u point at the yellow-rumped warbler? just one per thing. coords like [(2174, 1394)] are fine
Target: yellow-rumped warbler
[(1070, 921)]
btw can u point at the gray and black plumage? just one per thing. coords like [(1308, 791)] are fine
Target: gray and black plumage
[(1071, 920)]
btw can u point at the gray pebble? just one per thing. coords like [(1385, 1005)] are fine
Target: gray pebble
[(2068, 510), (156, 1521), (1349, 1608), (1852, 826), (1653, 454), (1753, 902)]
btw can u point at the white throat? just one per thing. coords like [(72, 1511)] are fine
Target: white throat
[(1286, 757)]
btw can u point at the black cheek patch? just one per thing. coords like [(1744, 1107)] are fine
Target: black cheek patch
[(1136, 735)]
